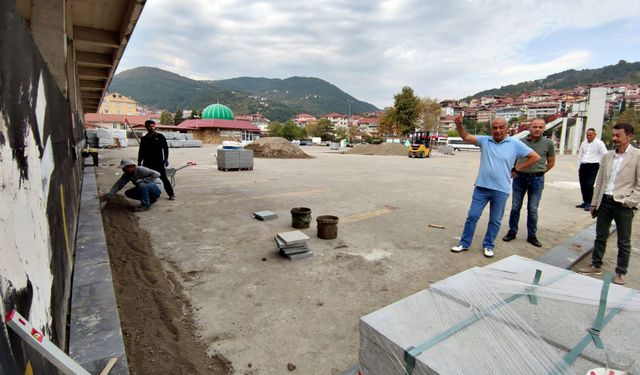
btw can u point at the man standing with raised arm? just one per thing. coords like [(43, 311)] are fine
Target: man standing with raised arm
[(498, 155)]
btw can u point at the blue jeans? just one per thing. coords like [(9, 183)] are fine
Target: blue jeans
[(532, 186), (482, 196), (145, 192)]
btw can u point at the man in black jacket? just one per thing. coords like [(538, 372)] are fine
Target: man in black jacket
[(154, 154)]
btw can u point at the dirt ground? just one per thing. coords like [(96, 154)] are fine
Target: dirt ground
[(276, 147), (159, 332), (380, 149), (219, 283)]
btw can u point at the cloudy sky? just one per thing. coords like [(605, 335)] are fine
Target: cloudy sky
[(371, 49)]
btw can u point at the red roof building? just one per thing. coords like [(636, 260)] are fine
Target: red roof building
[(103, 120), (217, 124)]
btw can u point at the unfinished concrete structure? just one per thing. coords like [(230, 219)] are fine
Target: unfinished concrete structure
[(58, 59)]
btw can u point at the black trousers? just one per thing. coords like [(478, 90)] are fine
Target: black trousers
[(587, 175), (159, 167), (608, 211)]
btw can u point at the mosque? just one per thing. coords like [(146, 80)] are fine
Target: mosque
[(218, 123)]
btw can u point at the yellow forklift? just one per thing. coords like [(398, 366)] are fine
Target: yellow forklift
[(420, 142)]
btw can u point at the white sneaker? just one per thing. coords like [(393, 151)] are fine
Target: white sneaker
[(459, 248), (488, 252)]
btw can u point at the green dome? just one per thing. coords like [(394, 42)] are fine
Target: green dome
[(218, 111)]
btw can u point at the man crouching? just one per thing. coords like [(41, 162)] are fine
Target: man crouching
[(148, 185)]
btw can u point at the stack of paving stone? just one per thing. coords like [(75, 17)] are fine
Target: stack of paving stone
[(293, 245), (234, 159), (497, 319)]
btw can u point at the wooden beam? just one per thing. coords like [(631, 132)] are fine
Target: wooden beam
[(90, 95), (96, 36), (86, 72), (87, 85), (93, 59)]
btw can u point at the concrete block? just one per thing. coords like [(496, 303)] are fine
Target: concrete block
[(420, 317), (294, 250), (293, 237), (299, 256), (571, 251), (265, 215), (515, 337)]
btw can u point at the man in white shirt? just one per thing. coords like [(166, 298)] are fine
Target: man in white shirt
[(616, 197), (591, 152)]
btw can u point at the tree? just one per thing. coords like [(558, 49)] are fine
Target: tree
[(342, 133), (290, 130), (470, 125), (452, 133), (323, 129), (274, 129), (177, 117), (166, 118), (194, 114), (388, 123), (430, 112), (407, 110)]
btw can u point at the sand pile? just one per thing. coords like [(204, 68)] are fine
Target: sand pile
[(276, 147), (381, 149)]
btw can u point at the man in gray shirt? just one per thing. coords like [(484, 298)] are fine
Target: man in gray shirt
[(148, 185), (530, 181)]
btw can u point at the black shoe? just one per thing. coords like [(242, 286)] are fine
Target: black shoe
[(587, 207), (581, 205), (534, 241), (510, 236)]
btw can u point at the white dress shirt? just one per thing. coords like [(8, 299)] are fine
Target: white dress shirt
[(615, 169), (591, 152)]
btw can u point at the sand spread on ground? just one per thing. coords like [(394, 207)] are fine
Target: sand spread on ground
[(277, 148), (381, 149)]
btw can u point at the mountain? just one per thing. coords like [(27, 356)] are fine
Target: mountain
[(278, 99), (622, 72)]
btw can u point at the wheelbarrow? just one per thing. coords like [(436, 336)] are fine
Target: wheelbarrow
[(171, 172)]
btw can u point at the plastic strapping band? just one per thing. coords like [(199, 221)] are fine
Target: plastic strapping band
[(410, 360), (410, 356), (598, 326), (536, 281)]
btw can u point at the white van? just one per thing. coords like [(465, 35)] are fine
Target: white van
[(458, 144)]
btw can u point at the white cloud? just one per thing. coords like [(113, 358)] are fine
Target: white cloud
[(370, 49), (561, 63)]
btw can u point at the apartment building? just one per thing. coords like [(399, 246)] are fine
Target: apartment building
[(543, 109), (117, 104), (509, 112), (338, 120), (304, 118)]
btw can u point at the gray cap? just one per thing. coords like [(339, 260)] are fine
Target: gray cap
[(126, 162)]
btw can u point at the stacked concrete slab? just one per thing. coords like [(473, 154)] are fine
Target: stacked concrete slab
[(184, 143), (265, 215), (482, 321), (234, 159), (293, 245)]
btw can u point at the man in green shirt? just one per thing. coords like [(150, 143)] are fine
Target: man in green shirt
[(531, 182)]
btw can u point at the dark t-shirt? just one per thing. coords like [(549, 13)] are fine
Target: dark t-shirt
[(153, 150), (545, 148)]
